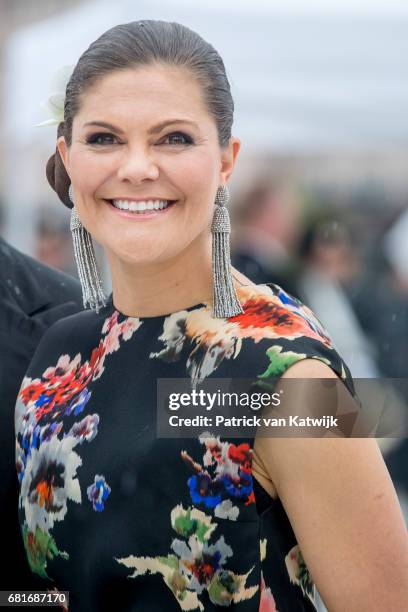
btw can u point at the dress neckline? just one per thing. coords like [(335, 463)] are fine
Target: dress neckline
[(113, 308), (207, 305)]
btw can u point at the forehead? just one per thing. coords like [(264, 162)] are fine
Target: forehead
[(144, 93)]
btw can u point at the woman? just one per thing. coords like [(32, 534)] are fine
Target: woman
[(112, 513)]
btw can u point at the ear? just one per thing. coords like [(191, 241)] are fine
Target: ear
[(228, 158), (64, 152)]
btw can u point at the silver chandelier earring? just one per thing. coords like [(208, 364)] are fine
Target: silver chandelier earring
[(225, 300), (92, 292)]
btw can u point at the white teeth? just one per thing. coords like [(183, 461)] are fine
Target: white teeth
[(141, 205)]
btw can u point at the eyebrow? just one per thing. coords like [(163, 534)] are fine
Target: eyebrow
[(154, 130)]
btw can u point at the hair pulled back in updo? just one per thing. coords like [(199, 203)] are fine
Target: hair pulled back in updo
[(141, 43)]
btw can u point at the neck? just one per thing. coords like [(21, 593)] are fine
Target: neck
[(153, 289)]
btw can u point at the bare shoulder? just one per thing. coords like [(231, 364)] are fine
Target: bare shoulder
[(342, 505), (309, 368), (269, 452)]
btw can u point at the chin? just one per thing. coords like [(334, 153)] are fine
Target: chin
[(141, 248), (137, 256)]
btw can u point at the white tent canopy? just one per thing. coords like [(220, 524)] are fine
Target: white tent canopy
[(304, 77), (300, 79)]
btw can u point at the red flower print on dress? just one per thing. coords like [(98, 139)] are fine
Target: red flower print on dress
[(60, 384), (268, 314)]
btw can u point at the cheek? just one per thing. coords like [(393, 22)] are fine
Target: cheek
[(198, 179), (199, 171), (89, 172)]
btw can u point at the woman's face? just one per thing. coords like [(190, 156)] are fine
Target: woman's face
[(161, 145)]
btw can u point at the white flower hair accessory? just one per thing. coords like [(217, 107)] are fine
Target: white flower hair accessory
[(55, 103)]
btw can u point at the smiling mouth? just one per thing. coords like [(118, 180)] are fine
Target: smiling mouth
[(141, 207)]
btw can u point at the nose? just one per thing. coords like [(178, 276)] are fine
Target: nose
[(137, 165)]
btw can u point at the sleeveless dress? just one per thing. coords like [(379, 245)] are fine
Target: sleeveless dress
[(126, 520)]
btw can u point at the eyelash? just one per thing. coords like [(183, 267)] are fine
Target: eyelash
[(93, 138)]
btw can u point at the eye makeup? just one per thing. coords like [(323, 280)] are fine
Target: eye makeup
[(92, 139)]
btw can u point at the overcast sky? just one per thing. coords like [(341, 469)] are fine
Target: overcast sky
[(346, 7)]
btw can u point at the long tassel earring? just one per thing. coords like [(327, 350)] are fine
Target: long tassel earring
[(92, 292), (225, 300)]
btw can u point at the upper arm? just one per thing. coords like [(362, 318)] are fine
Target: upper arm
[(344, 511)]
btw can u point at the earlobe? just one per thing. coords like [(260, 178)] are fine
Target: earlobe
[(63, 152), (229, 157)]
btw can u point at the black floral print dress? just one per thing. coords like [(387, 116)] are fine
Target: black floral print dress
[(126, 520)]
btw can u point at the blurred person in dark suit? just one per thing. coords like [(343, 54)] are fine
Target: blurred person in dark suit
[(53, 244), (33, 297), (365, 306), (267, 220), (329, 265)]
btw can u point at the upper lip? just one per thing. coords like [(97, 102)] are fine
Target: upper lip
[(145, 199)]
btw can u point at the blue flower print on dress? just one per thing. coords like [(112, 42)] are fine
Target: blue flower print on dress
[(223, 477), (98, 493), (85, 429), (78, 403)]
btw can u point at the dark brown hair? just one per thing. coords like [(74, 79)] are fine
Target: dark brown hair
[(142, 43)]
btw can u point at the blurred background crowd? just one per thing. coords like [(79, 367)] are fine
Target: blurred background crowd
[(319, 197)]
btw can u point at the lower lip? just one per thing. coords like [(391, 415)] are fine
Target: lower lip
[(140, 216)]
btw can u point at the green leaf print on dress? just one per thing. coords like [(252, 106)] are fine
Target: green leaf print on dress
[(280, 361), (196, 565), (40, 547)]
